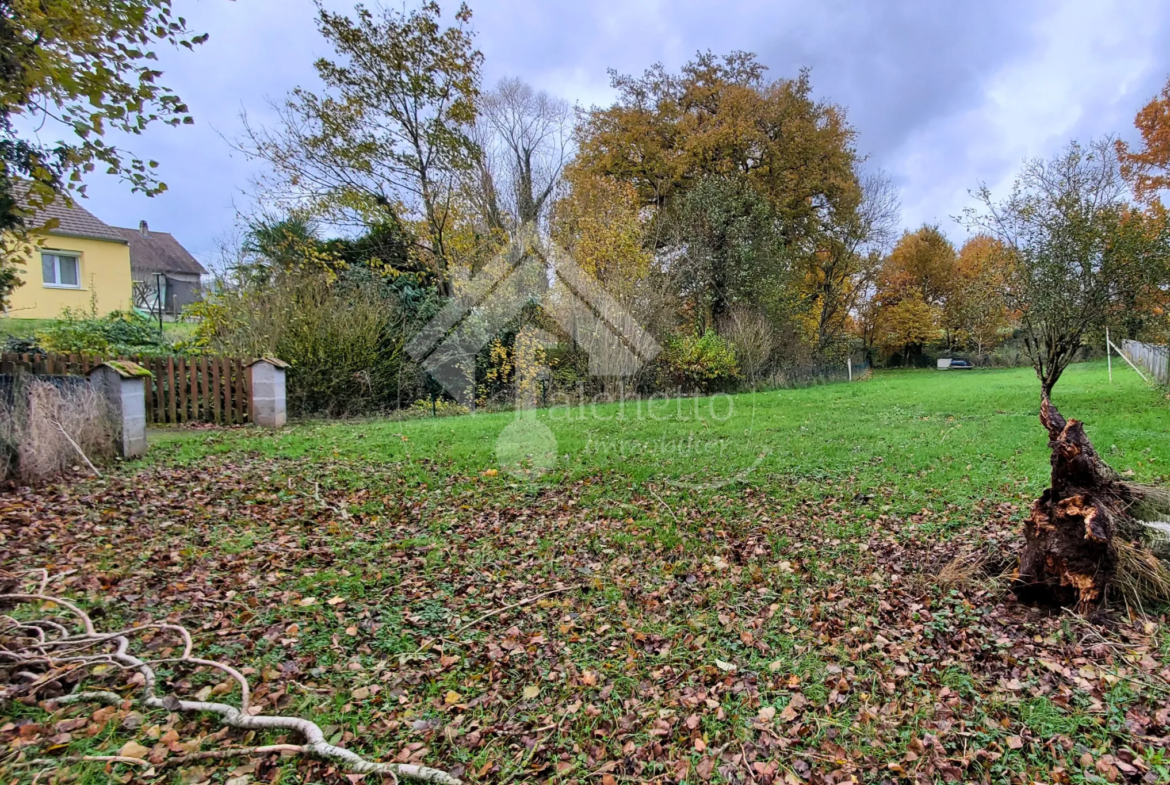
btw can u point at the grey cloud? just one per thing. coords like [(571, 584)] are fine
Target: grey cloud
[(944, 94)]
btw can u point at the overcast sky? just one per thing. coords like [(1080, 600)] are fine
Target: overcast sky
[(944, 95)]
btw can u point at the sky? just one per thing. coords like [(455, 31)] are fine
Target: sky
[(944, 94)]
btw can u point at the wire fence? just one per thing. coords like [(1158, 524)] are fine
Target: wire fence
[(814, 374), (1155, 359)]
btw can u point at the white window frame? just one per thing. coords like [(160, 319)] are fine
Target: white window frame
[(58, 255)]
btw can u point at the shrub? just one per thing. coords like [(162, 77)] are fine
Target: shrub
[(440, 407), (21, 344), (703, 363), (343, 338), (119, 332), (38, 422), (753, 338)]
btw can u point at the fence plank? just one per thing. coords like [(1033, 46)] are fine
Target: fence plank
[(215, 391), (237, 392), (201, 382), (225, 396), (151, 392), (172, 403), (225, 372), (237, 389), (245, 393), (184, 398), (221, 386), (193, 390), (156, 367), (205, 369), (180, 390)]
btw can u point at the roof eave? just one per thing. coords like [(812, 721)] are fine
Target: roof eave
[(77, 236)]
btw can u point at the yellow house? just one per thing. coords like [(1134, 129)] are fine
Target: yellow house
[(79, 261)]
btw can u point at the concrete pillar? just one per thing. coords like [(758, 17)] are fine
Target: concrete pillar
[(266, 390), (122, 385)]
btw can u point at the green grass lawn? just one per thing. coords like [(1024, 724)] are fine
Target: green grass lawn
[(684, 596), (28, 328), (23, 328), (919, 439)]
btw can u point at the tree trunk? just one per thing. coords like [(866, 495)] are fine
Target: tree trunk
[(1069, 557)]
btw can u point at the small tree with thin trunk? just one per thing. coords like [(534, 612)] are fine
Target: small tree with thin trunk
[(1076, 246), (975, 312)]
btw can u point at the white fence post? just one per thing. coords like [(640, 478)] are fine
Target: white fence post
[(266, 390), (1108, 355)]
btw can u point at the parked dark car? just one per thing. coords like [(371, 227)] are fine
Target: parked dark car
[(962, 365)]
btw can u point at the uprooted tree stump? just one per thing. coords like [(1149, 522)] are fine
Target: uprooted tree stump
[(1083, 536)]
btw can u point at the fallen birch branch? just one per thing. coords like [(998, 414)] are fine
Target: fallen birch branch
[(78, 449), (54, 648)]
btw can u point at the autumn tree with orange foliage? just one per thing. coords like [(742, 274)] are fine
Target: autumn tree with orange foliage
[(596, 221), (1145, 314), (720, 116), (975, 313), (912, 290), (1148, 168), (715, 152)]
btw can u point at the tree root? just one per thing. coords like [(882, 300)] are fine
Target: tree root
[(1085, 537), (49, 644)]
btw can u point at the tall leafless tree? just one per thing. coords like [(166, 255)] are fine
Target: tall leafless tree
[(856, 241), (524, 138)]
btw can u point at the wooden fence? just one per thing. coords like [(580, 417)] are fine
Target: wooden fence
[(181, 390), (1152, 357)]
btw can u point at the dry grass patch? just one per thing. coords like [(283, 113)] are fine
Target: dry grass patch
[(46, 428)]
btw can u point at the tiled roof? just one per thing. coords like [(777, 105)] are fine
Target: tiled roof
[(74, 221), (158, 252)]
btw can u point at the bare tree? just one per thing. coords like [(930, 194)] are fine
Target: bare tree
[(852, 253), (1077, 248), (754, 339), (878, 214), (524, 138)]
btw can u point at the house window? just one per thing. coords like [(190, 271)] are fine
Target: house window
[(61, 270)]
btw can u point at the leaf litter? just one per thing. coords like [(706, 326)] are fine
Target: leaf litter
[(751, 635)]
